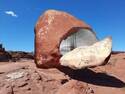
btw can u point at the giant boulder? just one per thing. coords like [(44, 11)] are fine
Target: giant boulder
[(51, 28)]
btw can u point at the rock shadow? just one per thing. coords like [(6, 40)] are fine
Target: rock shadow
[(89, 76)]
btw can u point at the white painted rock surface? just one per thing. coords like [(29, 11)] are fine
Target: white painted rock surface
[(88, 56)]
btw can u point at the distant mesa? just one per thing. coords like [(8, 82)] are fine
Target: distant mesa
[(117, 52), (1, 48), (21, 55), (14, 56), (4, 55)]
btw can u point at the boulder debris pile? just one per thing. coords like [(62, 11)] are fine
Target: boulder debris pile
[(57, 33)]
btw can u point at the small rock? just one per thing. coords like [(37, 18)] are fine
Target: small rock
[(15, 75)]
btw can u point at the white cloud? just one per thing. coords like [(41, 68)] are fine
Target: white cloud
[(11, 13)]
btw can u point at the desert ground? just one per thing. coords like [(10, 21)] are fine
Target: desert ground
[(22, 77)]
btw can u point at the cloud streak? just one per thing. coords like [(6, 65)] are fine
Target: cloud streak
[(11, 13)]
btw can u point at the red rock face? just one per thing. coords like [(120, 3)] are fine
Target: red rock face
[(52, 27)]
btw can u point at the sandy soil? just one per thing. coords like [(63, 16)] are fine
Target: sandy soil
[(108, 79)]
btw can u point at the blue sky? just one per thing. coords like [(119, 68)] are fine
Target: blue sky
[(18, 18)]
